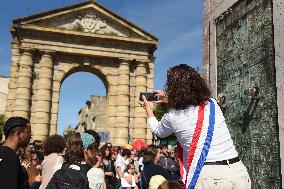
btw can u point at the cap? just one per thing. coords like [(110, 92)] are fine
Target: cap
[(87, 139), (128, 146)]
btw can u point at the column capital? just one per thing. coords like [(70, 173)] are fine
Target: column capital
[(140, 61), (125, 60), (25, 50), (47, 52)]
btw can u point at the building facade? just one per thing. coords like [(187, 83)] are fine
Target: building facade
[(49, 46)]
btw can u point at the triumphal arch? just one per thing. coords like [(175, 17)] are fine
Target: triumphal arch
[(49, 46)]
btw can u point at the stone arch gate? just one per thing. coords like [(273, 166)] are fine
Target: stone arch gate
[(49, 46)]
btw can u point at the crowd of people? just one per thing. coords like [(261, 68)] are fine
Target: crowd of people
[(204, 158), (49, 163)]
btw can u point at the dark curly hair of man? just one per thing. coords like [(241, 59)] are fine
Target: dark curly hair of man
[(185, 87), (54, 144)]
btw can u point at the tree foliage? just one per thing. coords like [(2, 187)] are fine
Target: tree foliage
[(160, 111), (68, 131)]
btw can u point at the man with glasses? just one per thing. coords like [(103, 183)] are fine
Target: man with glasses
[(17, 131)]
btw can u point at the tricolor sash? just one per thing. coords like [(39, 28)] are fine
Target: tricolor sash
[(199, 146)]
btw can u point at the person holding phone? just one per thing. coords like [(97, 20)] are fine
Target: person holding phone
[(210, 159)]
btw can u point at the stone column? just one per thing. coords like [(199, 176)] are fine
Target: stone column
[(140, 118), (111, 105), (122, 108), (57, 78), (54, 108), (150, 88), (42, 108), (22, 104), (12, 86)]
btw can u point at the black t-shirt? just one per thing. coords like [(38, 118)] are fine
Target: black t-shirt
[(150, 170), (109, 167), (11, 172)]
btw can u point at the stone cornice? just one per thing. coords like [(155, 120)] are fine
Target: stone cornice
[(16, 27)]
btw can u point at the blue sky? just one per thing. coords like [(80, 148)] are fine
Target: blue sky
[(177, 24)]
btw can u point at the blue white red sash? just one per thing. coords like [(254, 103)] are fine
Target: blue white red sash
[(199, 146)]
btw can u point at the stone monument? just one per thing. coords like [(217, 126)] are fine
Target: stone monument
[(49, 46)]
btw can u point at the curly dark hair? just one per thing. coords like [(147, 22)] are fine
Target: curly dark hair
[(103, 151), (54, 144), (74, 149), (185, 87)]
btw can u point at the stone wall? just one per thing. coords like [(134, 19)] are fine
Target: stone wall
[(278, 18), (3, 93), (92, 116)]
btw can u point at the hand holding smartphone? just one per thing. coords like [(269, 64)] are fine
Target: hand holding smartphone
[(150, 96)]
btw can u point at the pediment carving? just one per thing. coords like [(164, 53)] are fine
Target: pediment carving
[(91, 23)]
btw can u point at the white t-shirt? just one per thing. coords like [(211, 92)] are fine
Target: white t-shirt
[(48, 165), (120, 162), (183, 123), (96, 178), (124, 183)]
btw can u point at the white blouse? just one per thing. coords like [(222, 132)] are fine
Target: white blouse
[(183, 123)]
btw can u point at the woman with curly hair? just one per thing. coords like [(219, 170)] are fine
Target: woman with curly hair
[(108, 165), (53, 147), (208, 153)]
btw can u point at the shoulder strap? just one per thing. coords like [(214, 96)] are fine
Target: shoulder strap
[(196, 136), (196, 169), (65, 165)]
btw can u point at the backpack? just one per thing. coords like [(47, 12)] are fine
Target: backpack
[(67, 177)]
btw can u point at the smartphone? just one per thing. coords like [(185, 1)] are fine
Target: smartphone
[(150, 96)]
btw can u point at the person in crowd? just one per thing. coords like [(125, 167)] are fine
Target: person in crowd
[(135, 159), (78, 155), (38, 147), (170, 184), (114, 154), (108, 166), (140, 159), (121, 163), (152, 156), (96, 175), (130, 177), (96, 137), (53, 148), (34, 171), (169, 163), (109, 145), (17, 131), (192, 108)]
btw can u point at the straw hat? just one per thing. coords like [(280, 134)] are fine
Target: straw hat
[(156, 181), (128, 146)]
